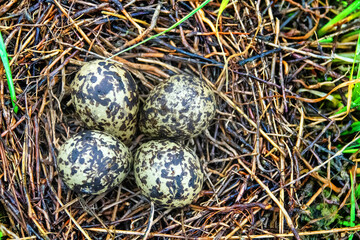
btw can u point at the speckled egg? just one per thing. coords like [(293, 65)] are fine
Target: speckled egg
[(181, 107), (167, 173), (106, 98), (93, 162)]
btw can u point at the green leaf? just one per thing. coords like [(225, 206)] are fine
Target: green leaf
[(345, 223), (353, 202), (350, 151), (354, 104), (327, 40), (355, 127), (351, 34), (338, 18), (356, 90), (357, 192), (352, 208), (5, 61), (223, 5), (353, 148), (347, 55)]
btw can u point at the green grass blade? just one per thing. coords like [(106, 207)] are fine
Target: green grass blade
[(167, 30), (353, 201), (355, 98), (356, 90), (352, 208), (357, 56), (223, 5), (349, 36), (350, 56), (338, 18), (327, 40), (5, 61), (354, 128), (357, 192)]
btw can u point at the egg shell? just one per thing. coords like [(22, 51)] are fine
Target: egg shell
[(167, 173), (93, 162), (181, 107), (106, 98)]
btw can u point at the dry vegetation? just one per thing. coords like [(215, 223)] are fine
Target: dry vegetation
[(257, 154)]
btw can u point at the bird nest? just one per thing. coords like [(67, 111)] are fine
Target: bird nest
[(269, 156)]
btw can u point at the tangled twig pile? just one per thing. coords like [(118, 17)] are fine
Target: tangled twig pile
[(258, 155)]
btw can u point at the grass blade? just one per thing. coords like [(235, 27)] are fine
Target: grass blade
[(352, 208), (223, 5), (357, 56), (356, 91), (352, 7), (5, 61)]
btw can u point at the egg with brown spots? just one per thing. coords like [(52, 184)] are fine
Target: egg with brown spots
[(93, 162), (167, 173), (106, 98), (180, 107)]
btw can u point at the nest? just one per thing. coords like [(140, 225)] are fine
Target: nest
[(261, 154)]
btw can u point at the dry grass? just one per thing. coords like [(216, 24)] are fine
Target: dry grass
[(260, 154)]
